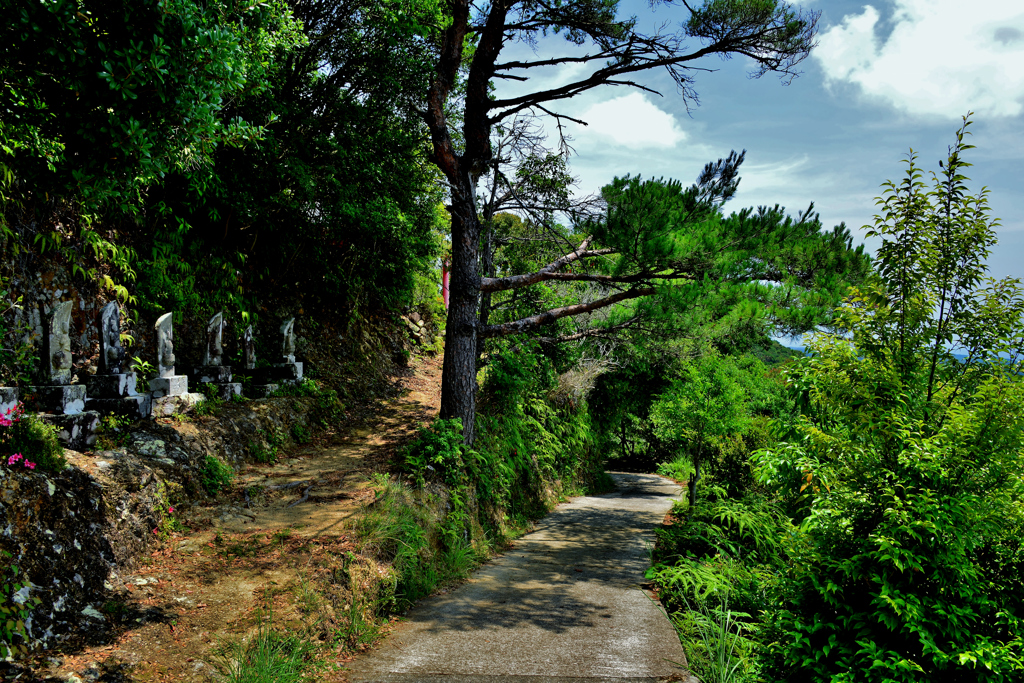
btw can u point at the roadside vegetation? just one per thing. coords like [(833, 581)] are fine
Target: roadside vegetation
[(853, 513), (873, 533), (443, 510)]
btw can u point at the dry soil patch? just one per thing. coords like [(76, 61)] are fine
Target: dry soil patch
[(203, 589)]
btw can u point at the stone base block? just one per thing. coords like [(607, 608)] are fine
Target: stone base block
[(169, 405), (261, 390), (68, 399), (175, 385), (225, 390), (211, 374), (78, 431), (287, 373), (111, 386), (133, 407), (8, 399)]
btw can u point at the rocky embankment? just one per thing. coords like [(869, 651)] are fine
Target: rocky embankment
[(73, 533)]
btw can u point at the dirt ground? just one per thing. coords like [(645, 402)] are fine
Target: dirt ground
[(202, 589)]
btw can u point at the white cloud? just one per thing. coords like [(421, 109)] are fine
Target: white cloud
[(631, 121), (772, 177), (943, 57)]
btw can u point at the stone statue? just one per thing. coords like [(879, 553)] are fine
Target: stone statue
[(111, 352), (288, 345), (57, 356), (250, 349), (165, 344), (214, 334)]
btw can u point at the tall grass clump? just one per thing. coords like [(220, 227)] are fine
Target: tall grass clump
[(268, 656)]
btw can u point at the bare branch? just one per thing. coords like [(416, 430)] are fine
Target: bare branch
[(548, 317)]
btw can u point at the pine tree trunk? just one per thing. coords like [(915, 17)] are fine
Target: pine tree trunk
[(458, 376)]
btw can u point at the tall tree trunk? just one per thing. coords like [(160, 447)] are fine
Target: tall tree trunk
[(458, 376)]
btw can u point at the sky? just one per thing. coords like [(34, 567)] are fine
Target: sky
[(886, 77)]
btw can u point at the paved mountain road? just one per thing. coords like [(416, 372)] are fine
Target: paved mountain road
[(563, 605)]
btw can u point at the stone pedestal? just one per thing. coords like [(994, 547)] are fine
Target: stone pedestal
[(181, 403), (136, 407), (219, 376), (67, 399), (8, 399), (261, 390), (175, 385), (116, 395), (210, 374), (112, 386), (78, 431), (279, 373)]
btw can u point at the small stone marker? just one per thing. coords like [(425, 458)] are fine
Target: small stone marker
[(212, 371), (168, 383), (288, 364), (255, 389), (111, 351), (288, 371), (57, 356), (250, 349), (288, 343), (214, 352), (111, 389), (55, 393)]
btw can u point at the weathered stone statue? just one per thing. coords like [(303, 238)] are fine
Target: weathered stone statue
[(111, 352), (213, 371), (287, 371), (112, 390), (55, 393), (288, 344), (167, 383), (57, 359), (249, 345), (213, 354), (165, 344)]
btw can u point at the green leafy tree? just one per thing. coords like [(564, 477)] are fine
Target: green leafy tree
[(101, 101), (468, 58), (337, 206), (908, 458), (701, 407)]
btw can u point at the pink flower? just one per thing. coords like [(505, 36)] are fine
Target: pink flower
[(155, 531), (30, 465), (170, 509), (14, 458), (12, 415)]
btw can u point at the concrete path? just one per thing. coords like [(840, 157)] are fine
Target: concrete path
[(563, 605)]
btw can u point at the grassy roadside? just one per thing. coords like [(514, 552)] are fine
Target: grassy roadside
[(435, 517)]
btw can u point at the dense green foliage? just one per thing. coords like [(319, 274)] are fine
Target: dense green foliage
[(269, 656), (910, 458), (216, 475), (35, 440), (103, 99), (195, 157), (337, 181), (885, 527), (16, 355)]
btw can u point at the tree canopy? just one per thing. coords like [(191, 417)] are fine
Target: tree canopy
[(908, 456), (776, 36)]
